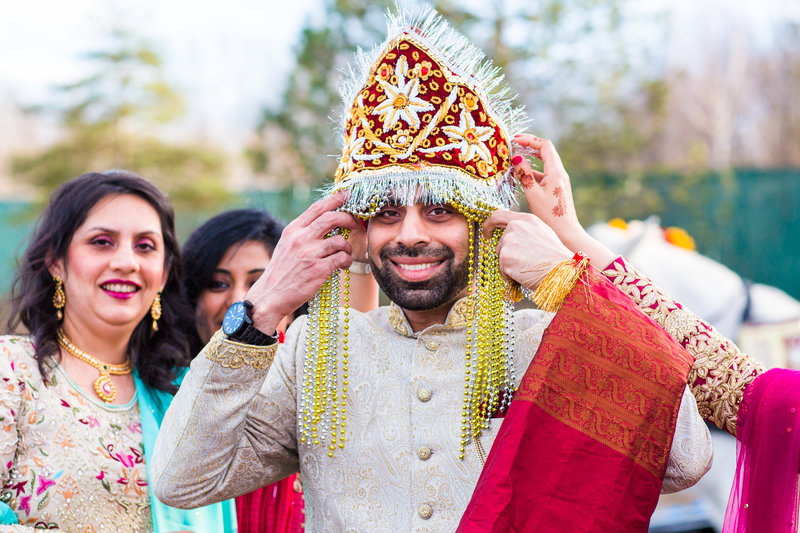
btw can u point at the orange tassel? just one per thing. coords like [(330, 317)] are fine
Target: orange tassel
[(559, 282), (514, 292)]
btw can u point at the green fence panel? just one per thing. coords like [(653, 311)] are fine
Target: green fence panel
[(747, 219)]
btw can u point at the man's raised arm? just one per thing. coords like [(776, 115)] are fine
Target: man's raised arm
[(232, 427)]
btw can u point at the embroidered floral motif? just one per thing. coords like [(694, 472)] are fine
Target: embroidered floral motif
[(353, 143), (402, 99), (25, 503), (502, 151), (470, 102), (402, 139), (469, 138), (483, 168), (423, 70), (460, 314), (385, 71), (68, 488), (64, 438), (56, 479), (423, 105), (129, 479), (720, 373), (90, 421)]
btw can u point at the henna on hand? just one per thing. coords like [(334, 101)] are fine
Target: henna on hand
[(525, 177), (561, 208)]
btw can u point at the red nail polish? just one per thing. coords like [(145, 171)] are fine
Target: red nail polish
[(516, 160)]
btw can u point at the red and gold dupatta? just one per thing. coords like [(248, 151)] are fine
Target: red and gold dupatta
[(585, 443)]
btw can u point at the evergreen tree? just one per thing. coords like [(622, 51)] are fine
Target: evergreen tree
[(109, 120)]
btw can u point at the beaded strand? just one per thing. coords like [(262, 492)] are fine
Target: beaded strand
[(465, 406), (323, 409), (489, 358)]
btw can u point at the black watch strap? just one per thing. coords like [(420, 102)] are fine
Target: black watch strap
[(252, 335)]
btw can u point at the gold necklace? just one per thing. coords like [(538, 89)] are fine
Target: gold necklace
[(103, 386)]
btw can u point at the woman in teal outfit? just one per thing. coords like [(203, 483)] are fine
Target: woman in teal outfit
[(83, 394)]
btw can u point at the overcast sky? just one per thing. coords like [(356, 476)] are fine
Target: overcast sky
[(229, 58)]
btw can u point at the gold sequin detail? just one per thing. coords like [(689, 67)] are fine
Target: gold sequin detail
[(397, 320), (235, 355), (721, 371), (459, 315)]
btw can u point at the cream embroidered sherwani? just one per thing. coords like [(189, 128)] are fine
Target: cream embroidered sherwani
[(233, 427)]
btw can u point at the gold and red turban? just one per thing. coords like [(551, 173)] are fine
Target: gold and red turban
[(429, 119)]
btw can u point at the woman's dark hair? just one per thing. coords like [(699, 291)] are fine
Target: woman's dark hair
[(156, 355), (206, 246)]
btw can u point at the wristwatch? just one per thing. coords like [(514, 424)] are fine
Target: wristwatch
[(238, 326)]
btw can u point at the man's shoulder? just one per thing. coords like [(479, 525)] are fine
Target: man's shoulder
[(379, 318), (533, 315), (380, 311)]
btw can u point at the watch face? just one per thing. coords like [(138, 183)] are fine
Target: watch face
[(234, 318)]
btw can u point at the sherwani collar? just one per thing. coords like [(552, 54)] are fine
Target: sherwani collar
[(457, 317)]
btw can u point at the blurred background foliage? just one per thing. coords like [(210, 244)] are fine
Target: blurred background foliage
[(642, 128), (551, 53), (111, 119), (593, 76)]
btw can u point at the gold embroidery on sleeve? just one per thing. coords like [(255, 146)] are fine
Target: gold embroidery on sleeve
[(720, 372), (235, 355)]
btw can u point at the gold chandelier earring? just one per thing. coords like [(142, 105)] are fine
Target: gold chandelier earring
[(155, 310), (59, 298)]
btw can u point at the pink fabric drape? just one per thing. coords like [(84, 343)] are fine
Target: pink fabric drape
[(765, 496), (276, 508)]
